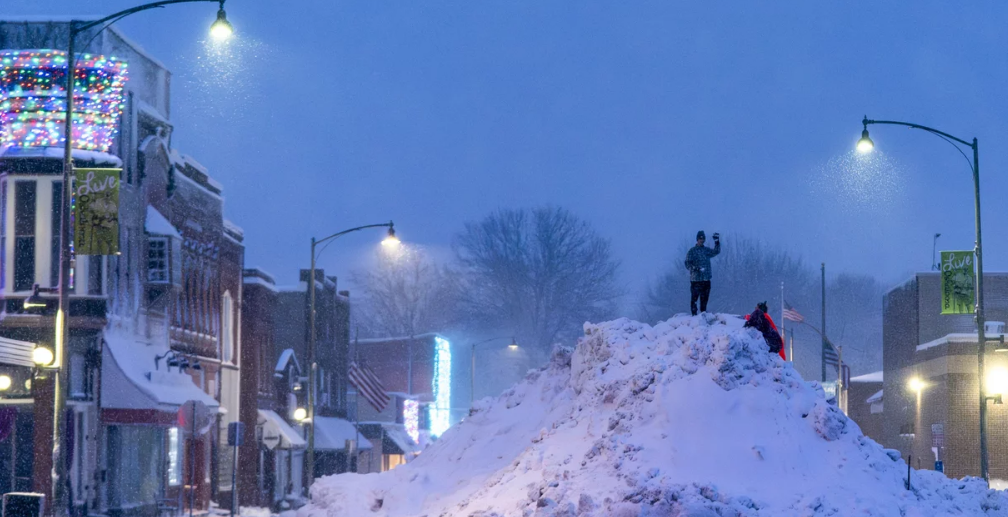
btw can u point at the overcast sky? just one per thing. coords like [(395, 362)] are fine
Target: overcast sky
[(649, 119)]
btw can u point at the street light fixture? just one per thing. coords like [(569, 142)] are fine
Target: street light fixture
[(916, 385), (42, 356), (864, 145), (60, 501), (391, 240), (221, 29), (313, 366), (300, 414)]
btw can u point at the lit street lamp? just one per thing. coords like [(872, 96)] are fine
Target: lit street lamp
[(472, 371), (220, 29), (390, 241), (865, 145)]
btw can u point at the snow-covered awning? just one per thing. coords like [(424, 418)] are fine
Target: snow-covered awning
[(869, 377), (157, 224), (277, 432), (130, 379), (331, 434), (877, 397)]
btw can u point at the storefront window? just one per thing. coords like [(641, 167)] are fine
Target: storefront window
[(136, 462), (174, 457)]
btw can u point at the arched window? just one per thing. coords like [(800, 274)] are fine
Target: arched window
[(227, 329)]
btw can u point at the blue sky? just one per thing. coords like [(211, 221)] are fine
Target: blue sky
[(649, 119)]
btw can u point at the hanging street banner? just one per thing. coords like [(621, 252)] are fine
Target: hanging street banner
[(958, 282), (96, 211)]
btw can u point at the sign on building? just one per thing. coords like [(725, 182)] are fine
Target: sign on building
[(958, 281), (96, 211)]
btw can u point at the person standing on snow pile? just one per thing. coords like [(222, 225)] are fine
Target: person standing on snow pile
[(760, 320), (698, 264)]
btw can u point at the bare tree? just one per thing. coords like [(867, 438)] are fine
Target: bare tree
[(539, 274), (404, 294)]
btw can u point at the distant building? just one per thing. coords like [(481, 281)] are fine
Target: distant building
[(939, 422), (864, 403)]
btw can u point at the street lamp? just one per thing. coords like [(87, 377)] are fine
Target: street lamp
[(472, 370), (300, 414), (390, 239), (59, 504), (865, 145), (42, 356)]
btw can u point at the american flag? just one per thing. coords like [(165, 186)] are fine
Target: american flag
[(830, 355), (791, 314), (369, 386)]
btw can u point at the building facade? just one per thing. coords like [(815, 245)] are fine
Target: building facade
[(154, 330), (935, 418)]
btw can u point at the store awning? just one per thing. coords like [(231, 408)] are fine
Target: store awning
[(278, 433), (396, 437), (331, 434), (136, 390)]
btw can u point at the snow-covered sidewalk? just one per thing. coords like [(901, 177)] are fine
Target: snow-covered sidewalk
[(692, 417)]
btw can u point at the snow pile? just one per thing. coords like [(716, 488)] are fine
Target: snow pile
[(692, 417)]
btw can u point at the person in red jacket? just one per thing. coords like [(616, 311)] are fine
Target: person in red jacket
[(760, 320)]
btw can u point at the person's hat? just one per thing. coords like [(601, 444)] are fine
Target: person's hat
[(700, 235), (762, 306)]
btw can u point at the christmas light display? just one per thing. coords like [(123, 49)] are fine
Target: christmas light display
[(33, 99), (439, 411), (411, 418)]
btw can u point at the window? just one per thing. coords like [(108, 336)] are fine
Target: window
[(95, 274), (57, 214), (157, 260), (3, 233), (227, 328), (78, 376), (24, 235), (174, 457)]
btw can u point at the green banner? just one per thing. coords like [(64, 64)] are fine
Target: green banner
[(958, 280), (96, 211)]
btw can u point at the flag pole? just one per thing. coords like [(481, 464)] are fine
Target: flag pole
[(823, 332), (783, 322), (356, 411)]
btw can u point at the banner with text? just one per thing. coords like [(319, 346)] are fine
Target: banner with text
[(958, 282), (96, 211)]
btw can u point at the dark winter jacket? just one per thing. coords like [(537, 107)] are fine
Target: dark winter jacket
[(762, 322), (698, 261)]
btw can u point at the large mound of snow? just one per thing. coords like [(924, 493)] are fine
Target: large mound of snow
[(692, 417)]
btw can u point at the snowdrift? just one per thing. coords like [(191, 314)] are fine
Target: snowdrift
[(692, 417)]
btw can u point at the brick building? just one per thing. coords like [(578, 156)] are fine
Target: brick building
[(154, 342), (940, 422)]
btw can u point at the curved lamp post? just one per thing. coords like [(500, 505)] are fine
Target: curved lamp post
[(390, 240), (220, 29), (865, 145), (472, 370)]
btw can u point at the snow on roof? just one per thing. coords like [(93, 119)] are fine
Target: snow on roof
[(152, 112), (233, 228), (690, 416), (373, 340), (98, 157), (868, 377), (255, 280), (132, 380), (285, 357), (277, 432), (877, 397), (949, 338), (157, 224), (331, 434)]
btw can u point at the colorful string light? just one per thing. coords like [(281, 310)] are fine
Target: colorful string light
[(33, 99)]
